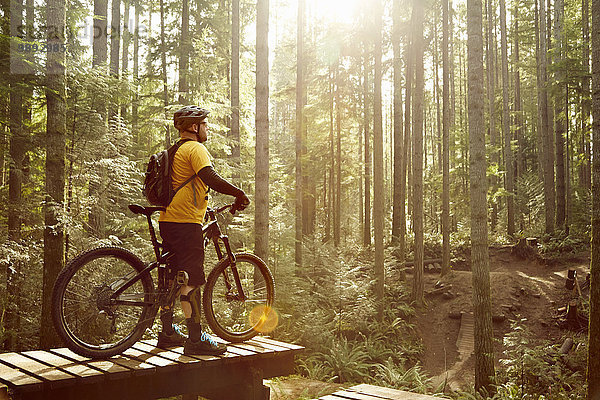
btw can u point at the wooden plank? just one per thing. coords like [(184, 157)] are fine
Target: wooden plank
[(350, 395), (80, 370), (268, 345), (169, 355), (111, 369), (241, 348), (387, 393), (268, 340), (139, 367), (18, 379), (55, 377), (144, 357)]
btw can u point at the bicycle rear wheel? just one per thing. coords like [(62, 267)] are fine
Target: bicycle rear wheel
[(85, 317), (230, 316)]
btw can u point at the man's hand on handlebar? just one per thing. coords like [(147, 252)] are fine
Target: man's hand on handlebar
[(240, 203)]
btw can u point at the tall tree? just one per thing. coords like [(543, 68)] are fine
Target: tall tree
[(560, 117), (99, 45), (136, 72), (547, 139), (235, 87), (491, 92), (184, 53), (593, 368), (445, 142), (337, 207), (163, 63), (115, 36), (407, 135), (378, 191), (55, 170), (417, 156), (367, 133), (509, 178), (482, 305), (585, 168), (125, 50), (17, 152), (397, 123), (299, 131), (261, 218)]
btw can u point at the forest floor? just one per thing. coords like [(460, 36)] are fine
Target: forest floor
[(532, 290)]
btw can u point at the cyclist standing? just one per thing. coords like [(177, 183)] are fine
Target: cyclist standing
[(181, 227)]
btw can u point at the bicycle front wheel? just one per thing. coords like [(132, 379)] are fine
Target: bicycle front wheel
[(237, 315), (88, 318)]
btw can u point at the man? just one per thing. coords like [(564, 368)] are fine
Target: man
[(181, 227)]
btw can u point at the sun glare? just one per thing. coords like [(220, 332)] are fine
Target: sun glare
[(340, 11)]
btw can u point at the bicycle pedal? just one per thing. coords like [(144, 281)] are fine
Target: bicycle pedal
[(182, 278)]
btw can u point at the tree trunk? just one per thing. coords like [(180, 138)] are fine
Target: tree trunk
[(163, 60), (367, 132), (330, 214), (417, 156), (397, 112), (484, 351), (100, 46), (593, 369), (405, 151), (378, 190), (585, 168), (299, 132), (547, 140), (261, 218), (125, 52), (136, 73), (337, 206), (184, 52), (519, 128), (55, 172), (445, 143), (491, 86), (559, 114), (509, 178), (235, 90), (115, 36)]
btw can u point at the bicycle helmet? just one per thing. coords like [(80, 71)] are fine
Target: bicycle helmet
[(188, 115)]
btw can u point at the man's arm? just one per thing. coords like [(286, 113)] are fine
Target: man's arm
[(218, 184)]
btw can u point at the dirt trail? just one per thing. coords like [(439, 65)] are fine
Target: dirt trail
[(519, 289)]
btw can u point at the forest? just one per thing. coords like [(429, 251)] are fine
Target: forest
[(390, 149)]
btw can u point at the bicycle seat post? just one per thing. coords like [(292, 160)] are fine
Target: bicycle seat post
[(155, 243)]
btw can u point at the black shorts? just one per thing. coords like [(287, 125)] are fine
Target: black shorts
[(185, 240)]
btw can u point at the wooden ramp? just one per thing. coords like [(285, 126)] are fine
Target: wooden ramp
[(370, 392), (465, 343), (146, 372)]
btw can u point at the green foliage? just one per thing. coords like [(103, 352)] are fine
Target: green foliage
[(538, 370)]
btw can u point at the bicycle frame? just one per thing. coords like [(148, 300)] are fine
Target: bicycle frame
[(210, 232)]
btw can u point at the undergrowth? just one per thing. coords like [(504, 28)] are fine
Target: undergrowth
[(329, 308)]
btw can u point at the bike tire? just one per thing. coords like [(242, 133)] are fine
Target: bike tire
[(79, 291), (228, 318)]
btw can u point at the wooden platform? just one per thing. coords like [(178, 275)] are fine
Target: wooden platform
[(146, 372), (370, 392)]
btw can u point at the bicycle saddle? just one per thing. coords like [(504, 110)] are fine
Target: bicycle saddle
[(137, 209)]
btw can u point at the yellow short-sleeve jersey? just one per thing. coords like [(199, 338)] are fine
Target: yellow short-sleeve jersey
[(190, 202)]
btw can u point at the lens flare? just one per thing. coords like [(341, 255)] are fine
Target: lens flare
[(264, 319)]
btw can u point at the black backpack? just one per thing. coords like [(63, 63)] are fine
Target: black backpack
[(158, 187)]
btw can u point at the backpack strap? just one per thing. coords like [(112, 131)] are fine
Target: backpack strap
[(170, 167)]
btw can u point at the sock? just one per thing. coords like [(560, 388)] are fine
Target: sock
[(166, 317), (194, 329)]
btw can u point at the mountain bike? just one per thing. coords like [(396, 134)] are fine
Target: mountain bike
[(105, 299)]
